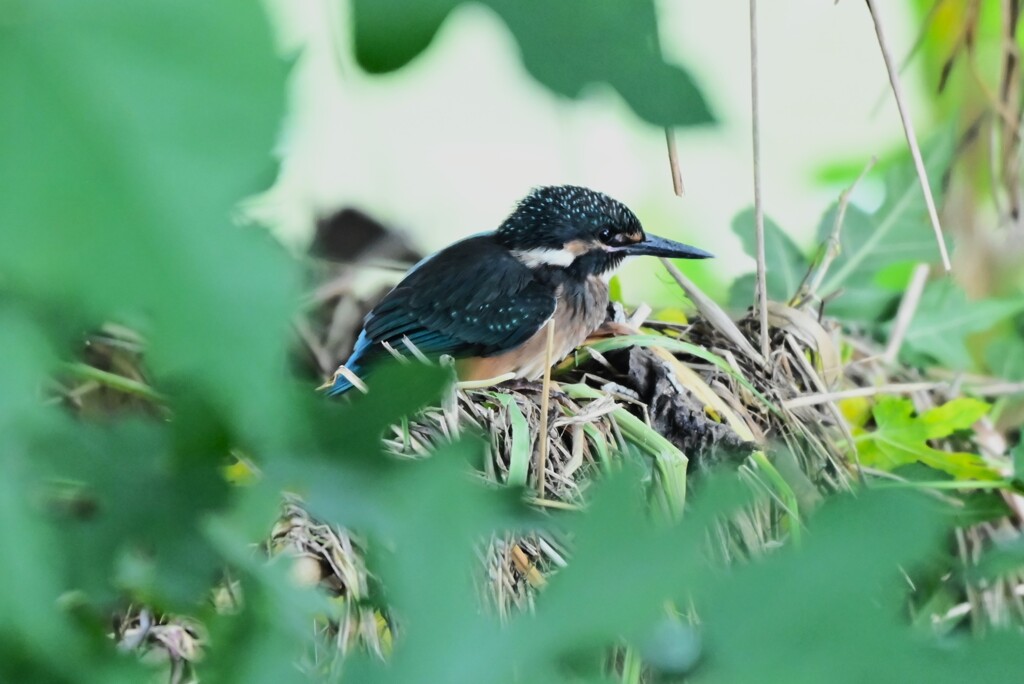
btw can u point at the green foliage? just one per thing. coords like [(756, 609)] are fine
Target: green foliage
[(886, 242), (872, 267), (847, 568), (130, 131), (120, 181), (877, 250), (901, 438), (566, 45), (946, 318), (786, 265), (1004, 355)]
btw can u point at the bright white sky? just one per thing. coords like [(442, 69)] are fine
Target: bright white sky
[(445, 147)]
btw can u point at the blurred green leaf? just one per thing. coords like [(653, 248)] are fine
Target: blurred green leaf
[(824, 611), (121, 179), (262, 643), (617, 557), (567, 46), (785, 264), (897, 232), (1018, 462), (1004, 356), (901, 438), (979, 507), (945, 318), (104, 510), (1003, 558), (41, 640)]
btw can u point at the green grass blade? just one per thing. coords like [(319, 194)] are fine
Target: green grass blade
[(669, 461), (520, 452)]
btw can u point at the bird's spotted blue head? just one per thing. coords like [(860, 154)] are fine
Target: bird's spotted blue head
[(549, 217), (581, 230)]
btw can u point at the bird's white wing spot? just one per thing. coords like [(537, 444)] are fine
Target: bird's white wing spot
[(543, 256)]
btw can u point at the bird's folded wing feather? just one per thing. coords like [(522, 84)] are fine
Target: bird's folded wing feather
[(471, 299)]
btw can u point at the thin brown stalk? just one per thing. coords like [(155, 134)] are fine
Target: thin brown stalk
[(762, 288), (833, 246), (922, 34), (908, 130), (545, 396), (905, 315), (896, 388), (673, 163), (1010, 100)]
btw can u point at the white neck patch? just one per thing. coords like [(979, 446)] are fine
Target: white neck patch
[(543, 256)]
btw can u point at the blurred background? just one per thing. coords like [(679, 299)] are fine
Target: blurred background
[(444, 147)]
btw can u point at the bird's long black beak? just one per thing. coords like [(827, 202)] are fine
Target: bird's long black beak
[(653, 245)]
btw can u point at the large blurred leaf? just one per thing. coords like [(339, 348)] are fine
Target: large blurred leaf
[(134, 509), (129, 131), (945, 318), (879, 249), (785, 263), (624, 567), (823, 613), (1005, 356), (39, 640), (259, 646), (566, 45)]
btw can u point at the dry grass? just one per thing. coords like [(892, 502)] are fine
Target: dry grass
[(690, 397), (683, 398)]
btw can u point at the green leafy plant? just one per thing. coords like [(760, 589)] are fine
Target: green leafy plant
[(567, 46), (875, 253), (900, 438), (130, 131)]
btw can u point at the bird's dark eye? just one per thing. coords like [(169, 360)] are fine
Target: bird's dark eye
[(606, 235)]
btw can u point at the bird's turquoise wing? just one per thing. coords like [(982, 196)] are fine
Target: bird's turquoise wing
[(472, 299)]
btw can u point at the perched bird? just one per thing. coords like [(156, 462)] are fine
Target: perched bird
[(485, 300)]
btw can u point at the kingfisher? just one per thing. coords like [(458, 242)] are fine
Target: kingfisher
[(486, 301)]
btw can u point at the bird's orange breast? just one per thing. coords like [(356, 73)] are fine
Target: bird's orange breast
[(574, 320)]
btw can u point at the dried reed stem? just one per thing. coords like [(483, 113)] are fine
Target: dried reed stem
[(834, 246), (673, 163), (762, 289), (908, 130), (714, 314), (542, 460), (908, 306), (898, 388)]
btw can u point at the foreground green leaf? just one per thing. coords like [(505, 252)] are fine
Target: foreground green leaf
[(566, 45), (130, 131)]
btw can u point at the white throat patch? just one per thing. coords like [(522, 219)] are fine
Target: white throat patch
[(543, 256)]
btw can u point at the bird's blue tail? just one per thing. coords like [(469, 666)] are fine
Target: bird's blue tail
[(341, 383)]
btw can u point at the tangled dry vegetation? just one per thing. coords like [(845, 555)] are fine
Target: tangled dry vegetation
[(680, 398)]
